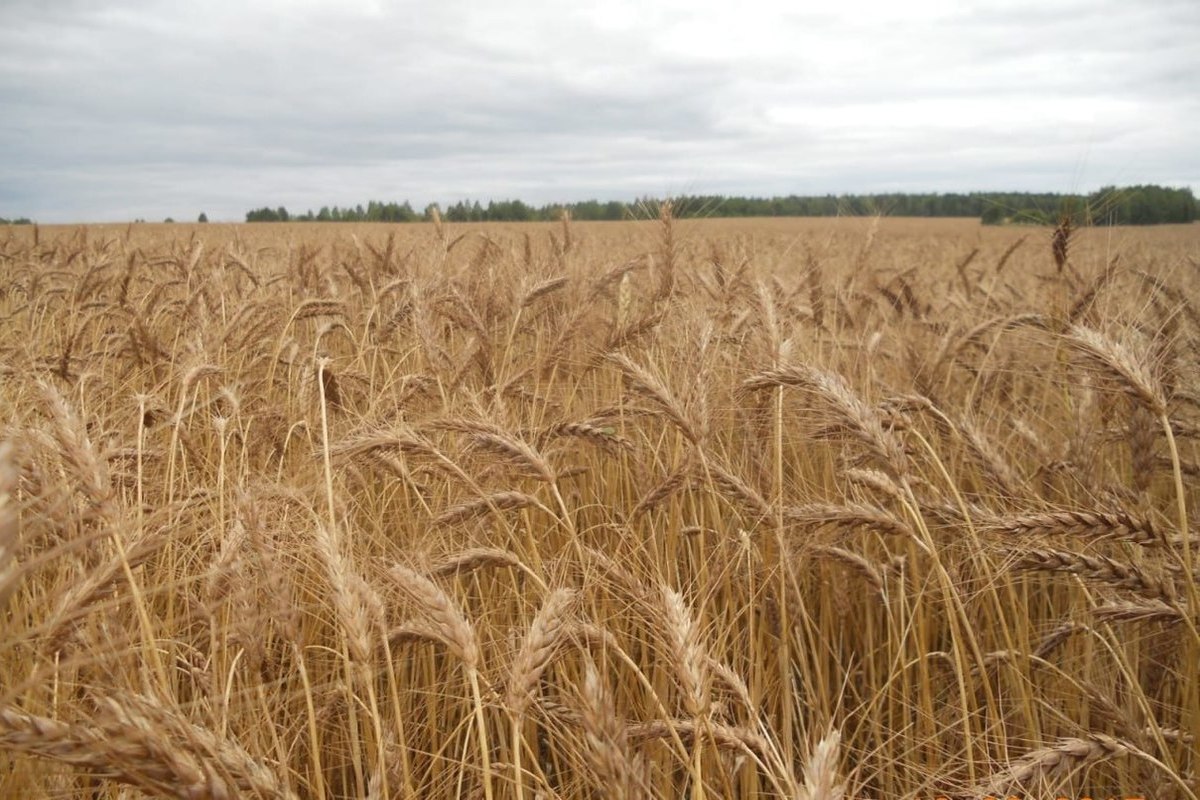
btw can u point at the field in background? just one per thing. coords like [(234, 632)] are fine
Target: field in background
[(736, 508)]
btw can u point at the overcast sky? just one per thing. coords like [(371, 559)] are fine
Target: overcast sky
[(116, 110)]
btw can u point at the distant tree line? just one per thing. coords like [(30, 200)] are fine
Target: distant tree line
[(17, 221), (1131, 205), (1134, 205), (374, 212)]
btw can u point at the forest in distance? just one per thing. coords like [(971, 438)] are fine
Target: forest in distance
[(1111, 205), (1132, 205)]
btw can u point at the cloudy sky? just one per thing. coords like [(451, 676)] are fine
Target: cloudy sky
[(111, 110)]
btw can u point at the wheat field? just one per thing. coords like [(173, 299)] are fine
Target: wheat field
[(663, 509)]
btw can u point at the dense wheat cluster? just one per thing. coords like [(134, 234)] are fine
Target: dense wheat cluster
[(819, 510)]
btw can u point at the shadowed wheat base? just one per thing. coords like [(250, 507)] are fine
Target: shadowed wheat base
[(806, 509)]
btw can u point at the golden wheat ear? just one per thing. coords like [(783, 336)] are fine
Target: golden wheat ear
[(822, 780), (1054, 763), (9, 570), (607, 739), (545, 634)]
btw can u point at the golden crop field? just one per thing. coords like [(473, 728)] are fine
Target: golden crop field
[(812, 509)]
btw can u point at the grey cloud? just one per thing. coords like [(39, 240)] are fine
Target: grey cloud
[(147, 108)]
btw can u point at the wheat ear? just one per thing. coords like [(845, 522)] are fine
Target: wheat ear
[(9, 569), (855, 415), (1117, 525), (607, 739), (653, 389), (1098, 569), (533, 658), (1057, 761), (446, 623), (1132, 371), (821, 780)]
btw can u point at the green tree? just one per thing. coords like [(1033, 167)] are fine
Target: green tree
[(265, 215), (203, 217)]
